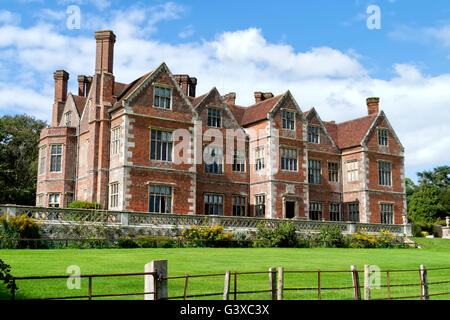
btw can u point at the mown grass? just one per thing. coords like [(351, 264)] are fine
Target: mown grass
[(194, 261)]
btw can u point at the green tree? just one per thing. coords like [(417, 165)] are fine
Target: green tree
[(430, 200), (19, 139)]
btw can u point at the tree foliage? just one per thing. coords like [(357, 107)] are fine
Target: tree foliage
[(429, 201), (19, 139)]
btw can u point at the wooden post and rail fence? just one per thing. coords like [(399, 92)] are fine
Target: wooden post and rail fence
[(156, 284)]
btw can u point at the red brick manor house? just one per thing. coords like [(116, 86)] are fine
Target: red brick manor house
[(118, 144)]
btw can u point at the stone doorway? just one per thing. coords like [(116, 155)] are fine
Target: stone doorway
[(290, 209)]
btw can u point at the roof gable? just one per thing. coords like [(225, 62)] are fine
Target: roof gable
[(313, 114), (372, 128)]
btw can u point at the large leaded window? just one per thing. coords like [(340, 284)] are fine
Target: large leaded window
[(239, 206), (53, 200), (353, 212), (352, 170), (383, 137), (335, 211), (314, 171), (214, 118), (313, 134), (42, 159), (288, 159), (160, 199), (114, 195), (288, 120), (387, 213), (161, 145), (213, 204), (260, 205), (115, 141), (384, 173), (259, 158), (162, 97), (56, 158), (213, 159), (238, 161), (333, 172), (315, 211)]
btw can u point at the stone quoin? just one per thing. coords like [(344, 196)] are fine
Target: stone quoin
[(120, 144)]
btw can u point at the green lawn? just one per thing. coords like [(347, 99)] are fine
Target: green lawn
[(435, 253)]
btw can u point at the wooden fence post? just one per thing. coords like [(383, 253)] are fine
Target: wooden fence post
[(356, 286), (158, 283), (273, 283), (280, 283), (424, 283), (366, 282), (226, 287)]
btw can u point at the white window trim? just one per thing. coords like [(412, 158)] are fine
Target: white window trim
[(165, 86)]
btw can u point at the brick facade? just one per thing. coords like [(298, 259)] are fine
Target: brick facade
[(139, 147)]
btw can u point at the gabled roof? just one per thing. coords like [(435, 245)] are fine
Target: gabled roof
[(238, 112), (312, 113), (119, 88), (129, 89), (351, 133), (259, 111), (80, 102)]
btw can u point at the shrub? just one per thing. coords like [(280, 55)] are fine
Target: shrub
[(19, 227), (84, 205), (242, 239), (384, 239), (416, 230), (331, 237), (157, 242), (282, 235), (6, 277), (127, 243), (206, 236)]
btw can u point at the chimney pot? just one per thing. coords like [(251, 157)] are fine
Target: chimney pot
[(260, 96), (187, 84), (61, 78), (372, 105)]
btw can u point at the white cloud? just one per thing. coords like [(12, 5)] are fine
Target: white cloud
[(243, 61), (9, 18)]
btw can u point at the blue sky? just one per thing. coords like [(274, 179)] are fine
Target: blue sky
[(321, 50)]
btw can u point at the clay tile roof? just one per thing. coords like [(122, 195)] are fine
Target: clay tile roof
[(238, 112), (351, 133), (332, 130), (119, 88), (79, 103), (130, 88), (198, 99), (259, 111)]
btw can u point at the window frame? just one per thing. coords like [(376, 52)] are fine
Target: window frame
[(259, 158), (68, 118), (168, 209), (353, 172), (310, 134), (169, 150), (314, 174), (58, 156), (114, 194), (384, 176), (333, 172), (260, 206), (289, 161), (220, 166), (241, 206), (239, 161), (333, 213), (387, 216), (115, 140), (214, 204), (311, 211), (165, 97), (53, 203), (352, 212), (383, 140), (286, 122), (217, 118)]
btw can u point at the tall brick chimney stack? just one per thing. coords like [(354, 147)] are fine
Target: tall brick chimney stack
[(61, 78), (230, 98), (372, 105), (261, 96), (187, 84), (105, 51), (82, 86)]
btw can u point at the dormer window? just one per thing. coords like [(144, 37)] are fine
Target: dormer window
[(313, 134), (68, 119), (288, 120), (162, 97), (214, 118), (383, 137)]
